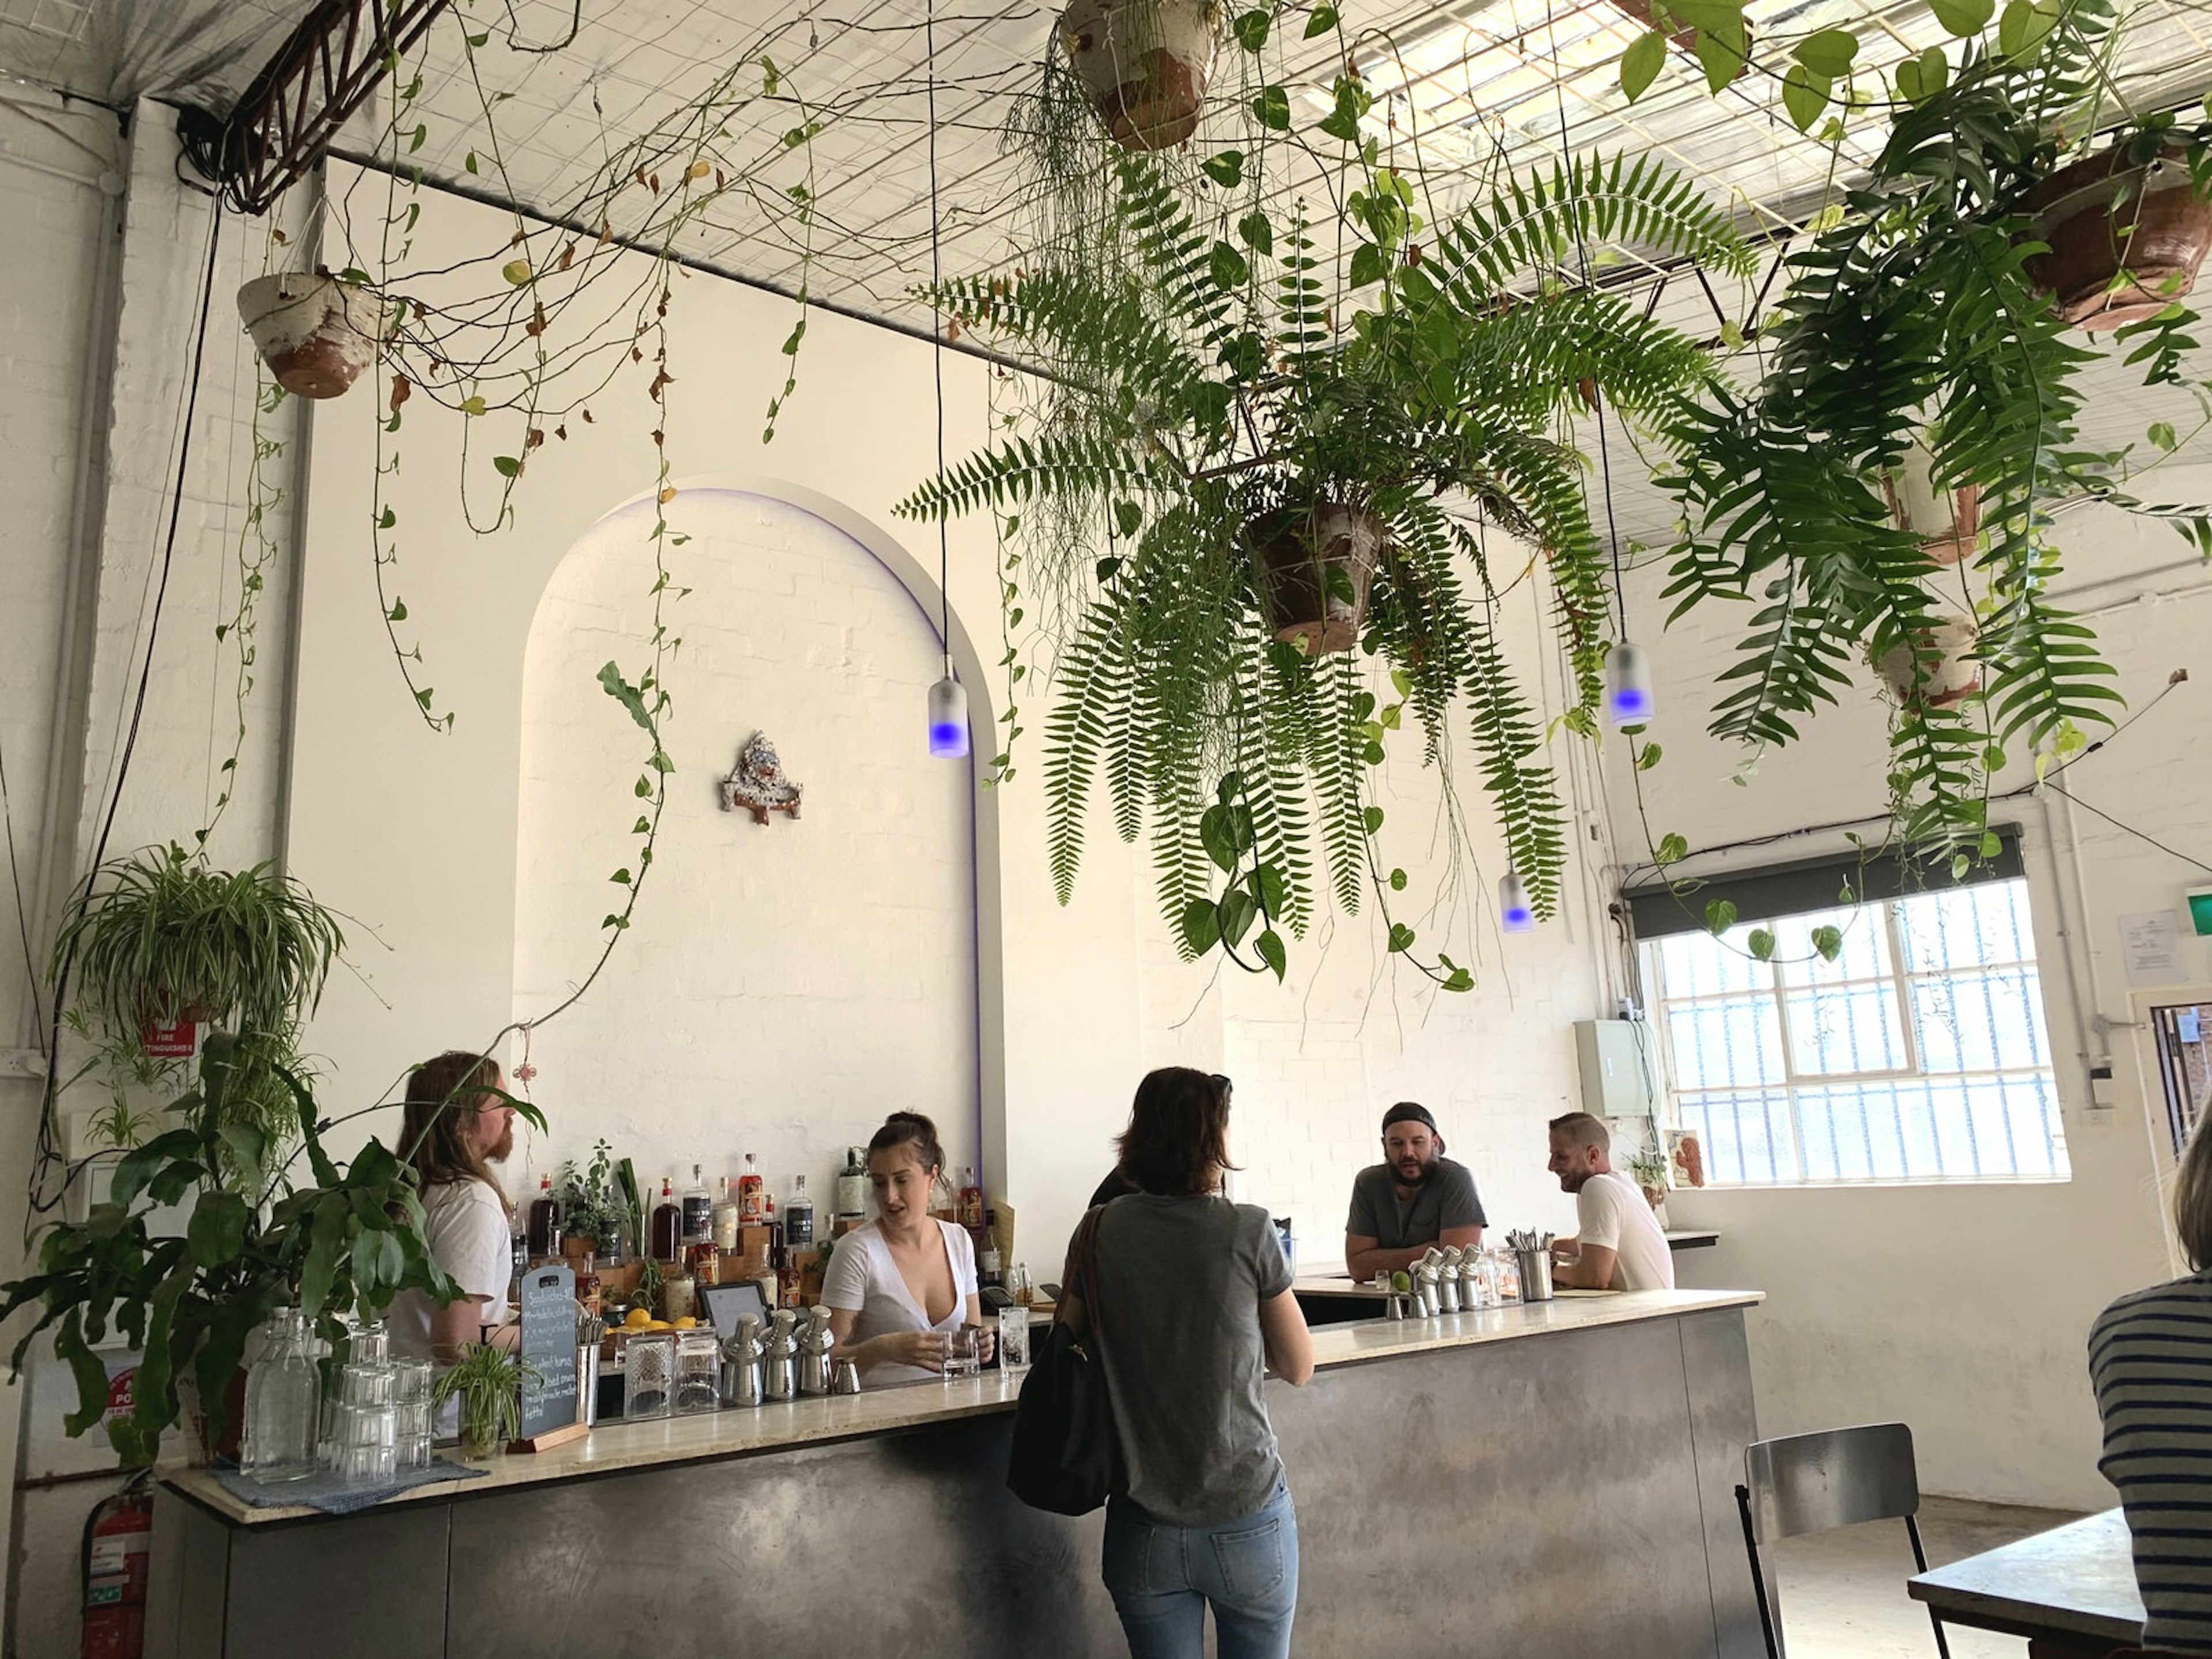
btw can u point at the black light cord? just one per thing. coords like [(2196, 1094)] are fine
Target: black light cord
[(937, 351), (1582, 263), (46, 1154)]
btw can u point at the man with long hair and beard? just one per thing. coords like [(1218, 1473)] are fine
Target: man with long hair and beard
[(457, 1124), (1415, 1198)]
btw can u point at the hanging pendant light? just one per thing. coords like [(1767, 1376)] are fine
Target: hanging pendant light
[(1628, 699), (948, 698), (1514, 910), (948, 717)]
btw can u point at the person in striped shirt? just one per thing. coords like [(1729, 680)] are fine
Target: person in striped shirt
[(2150, 1362)]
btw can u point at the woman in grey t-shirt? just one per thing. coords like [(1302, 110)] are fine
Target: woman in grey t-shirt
[(1192, 1303)]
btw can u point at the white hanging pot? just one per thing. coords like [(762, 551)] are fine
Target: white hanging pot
[(1947, 522), (1942, 672), (316, 333), (1145, 65)]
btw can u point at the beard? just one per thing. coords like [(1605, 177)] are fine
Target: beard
[(1410, 1174), (498, 1153)]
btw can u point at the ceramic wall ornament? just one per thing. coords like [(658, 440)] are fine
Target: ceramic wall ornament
[(758, 785)]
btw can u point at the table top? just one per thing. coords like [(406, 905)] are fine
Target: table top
[(741, 1432), (2077, 1580)]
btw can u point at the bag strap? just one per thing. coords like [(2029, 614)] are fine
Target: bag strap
[(1085, 1254)]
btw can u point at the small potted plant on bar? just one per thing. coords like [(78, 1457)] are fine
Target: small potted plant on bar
[(488, 1383)]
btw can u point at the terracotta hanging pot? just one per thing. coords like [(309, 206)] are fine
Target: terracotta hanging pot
[(1145, 65), (2105, 216), (316, 333), (1947, 522), (1951, 678), (1296, 548)]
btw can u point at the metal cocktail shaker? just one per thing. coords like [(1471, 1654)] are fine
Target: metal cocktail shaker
[(1425, 1293), (814, 1352), (741, 1365), (848, 1378), (1448, 1281), (779, 1377)]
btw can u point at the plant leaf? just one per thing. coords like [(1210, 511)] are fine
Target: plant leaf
[(1641, 63)]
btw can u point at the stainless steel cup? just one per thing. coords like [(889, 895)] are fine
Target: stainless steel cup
[(1535, 1274), (848, 1379)]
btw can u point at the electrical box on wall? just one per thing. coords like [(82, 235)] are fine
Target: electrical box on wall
[(2200, 911), (1619, 1072)]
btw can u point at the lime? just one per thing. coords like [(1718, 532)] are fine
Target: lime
[(1402, 1280)]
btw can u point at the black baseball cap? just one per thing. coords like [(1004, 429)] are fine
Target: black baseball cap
[(1409, 1111)]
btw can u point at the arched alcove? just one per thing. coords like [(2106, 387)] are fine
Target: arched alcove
[(786, 984)]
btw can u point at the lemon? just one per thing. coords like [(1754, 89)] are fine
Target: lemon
[(636, 1320), (686, 1324), (656, 1325)]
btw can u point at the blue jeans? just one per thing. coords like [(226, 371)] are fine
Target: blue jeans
[(1163, 1578)]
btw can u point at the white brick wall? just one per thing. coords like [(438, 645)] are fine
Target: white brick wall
[(785, 986)]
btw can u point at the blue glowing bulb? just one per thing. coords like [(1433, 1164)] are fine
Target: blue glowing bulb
[(1628, 699), (948, 719), (1514, 912)]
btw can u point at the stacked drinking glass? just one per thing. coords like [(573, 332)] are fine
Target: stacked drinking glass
[(415, 1412), (365, 1420)]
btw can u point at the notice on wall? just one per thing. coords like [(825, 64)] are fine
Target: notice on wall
[(2151, 947)]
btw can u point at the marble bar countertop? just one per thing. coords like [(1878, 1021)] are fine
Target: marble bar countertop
[(749, 1432)]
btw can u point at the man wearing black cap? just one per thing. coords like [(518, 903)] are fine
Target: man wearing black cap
[(1416, 1197)]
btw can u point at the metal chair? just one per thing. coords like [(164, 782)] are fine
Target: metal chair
[(1804, 1483)]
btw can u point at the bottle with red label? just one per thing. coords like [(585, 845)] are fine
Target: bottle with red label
[(752, 1192)]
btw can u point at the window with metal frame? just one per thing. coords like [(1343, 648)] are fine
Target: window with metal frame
[(1919, 1054)]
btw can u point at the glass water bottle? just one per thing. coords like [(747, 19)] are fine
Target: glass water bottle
[(283, 1402)]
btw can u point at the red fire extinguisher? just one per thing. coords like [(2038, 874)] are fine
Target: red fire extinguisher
[(118, 1537)]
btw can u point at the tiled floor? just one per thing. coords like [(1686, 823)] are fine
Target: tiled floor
[(1843, 1592)]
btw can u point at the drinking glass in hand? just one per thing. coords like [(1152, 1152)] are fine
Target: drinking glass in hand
[(1014, 1340), (962, 1351)]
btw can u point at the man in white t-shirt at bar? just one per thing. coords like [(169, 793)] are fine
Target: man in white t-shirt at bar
[(1617, 1245)]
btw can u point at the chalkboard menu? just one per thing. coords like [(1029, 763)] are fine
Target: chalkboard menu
[(549, 1347)]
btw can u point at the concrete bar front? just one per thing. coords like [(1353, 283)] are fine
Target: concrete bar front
[(1552, 1480)]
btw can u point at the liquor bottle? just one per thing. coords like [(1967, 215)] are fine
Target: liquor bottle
[(987, 1269), (799, 1217), (726, 1219), (853, 1188), (667, 1225), (752, 1192), (543, 1230), (970, 1213), (787, 1278), (698, 1210)]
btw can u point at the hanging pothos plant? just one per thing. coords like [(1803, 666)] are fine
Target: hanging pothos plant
[(1257, 498), (1920, 316)]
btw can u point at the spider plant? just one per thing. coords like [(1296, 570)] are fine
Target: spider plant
[(487, 1382), (160, 937)]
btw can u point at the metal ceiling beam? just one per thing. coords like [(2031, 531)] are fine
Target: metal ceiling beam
[(285, 121)]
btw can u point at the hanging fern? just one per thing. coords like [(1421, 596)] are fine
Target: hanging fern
[(1213, 391)]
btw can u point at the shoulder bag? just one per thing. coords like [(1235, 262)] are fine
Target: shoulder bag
[(1067, 1457)]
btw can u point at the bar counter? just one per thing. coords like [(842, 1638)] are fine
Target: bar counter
[(1462, 1483)]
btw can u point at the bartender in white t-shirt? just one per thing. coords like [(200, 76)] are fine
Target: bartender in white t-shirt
[(1618, 1244), (457, 1125)]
